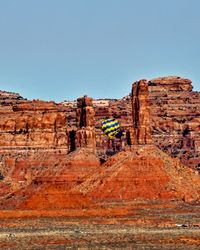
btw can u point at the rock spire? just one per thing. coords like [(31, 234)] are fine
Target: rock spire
[(85, 136), (140, 133)]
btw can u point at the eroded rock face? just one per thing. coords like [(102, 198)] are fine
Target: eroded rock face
[(85, 112), (33, 124), (170, 83), (142, 173), (35, 140), (174, 121), (174, 118), (9, 98), (53, 166), (33, 136), (37, 125), (141, 132), (85, 136)]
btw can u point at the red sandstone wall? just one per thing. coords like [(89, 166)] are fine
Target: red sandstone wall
[(175, 121), (175, 117), (33, 124)]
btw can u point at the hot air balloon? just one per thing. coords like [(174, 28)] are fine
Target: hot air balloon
[(111, 128)]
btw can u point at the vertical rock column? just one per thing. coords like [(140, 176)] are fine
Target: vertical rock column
[(140, 133), (85, 136)]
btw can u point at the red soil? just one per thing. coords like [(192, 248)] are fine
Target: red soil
[(143, 172), (55, 196)]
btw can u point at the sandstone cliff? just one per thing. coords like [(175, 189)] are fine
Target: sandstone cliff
[(141, 131), (51, 173), (174, 118), (33, 124), (36, 135), (142, 173)]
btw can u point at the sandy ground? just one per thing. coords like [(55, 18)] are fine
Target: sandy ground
[(141, 226)]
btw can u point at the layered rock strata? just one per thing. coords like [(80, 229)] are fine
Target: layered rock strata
[(141, 132), (83, 160), (34, 124), (142, 172), (40, 169), (85, 136), (174, 119)]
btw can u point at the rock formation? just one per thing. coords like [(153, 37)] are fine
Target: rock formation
[(34, 124), (85, 136), (83, 161), (175, 118), (33, 138), (38, 139), (85, 112), (141, 132), (39, 170), (47, 196), (9, 98), (175, 109), (142, 173), (170, 83)]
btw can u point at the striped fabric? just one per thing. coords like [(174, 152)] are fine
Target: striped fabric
[(110, 127)]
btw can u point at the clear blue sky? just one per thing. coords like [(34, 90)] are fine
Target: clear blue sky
[(62, 49)]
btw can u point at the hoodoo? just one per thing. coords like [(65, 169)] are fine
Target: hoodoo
[(140, 134), (57, 171), (85, 136), (142, 171)]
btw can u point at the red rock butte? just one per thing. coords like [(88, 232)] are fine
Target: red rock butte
[(142, 171), (56, 156)]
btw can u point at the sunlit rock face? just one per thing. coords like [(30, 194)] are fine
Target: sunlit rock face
[(33, 170), (174, 121), (142, 172), (35, 124), (37, 135), (141, 131), (174, 118), (85, 135)]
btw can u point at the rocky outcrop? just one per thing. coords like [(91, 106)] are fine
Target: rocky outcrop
[(85, 112), (85, 136), (37, 125), (83, 161), (170, 83), (9, 98), (40, 158), (53, 167), (48, 196), (140, 133), (142, 173), (33, 136), (174, 119), (34, 124)]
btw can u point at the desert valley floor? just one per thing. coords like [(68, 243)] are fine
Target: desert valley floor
[(116, 226)]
